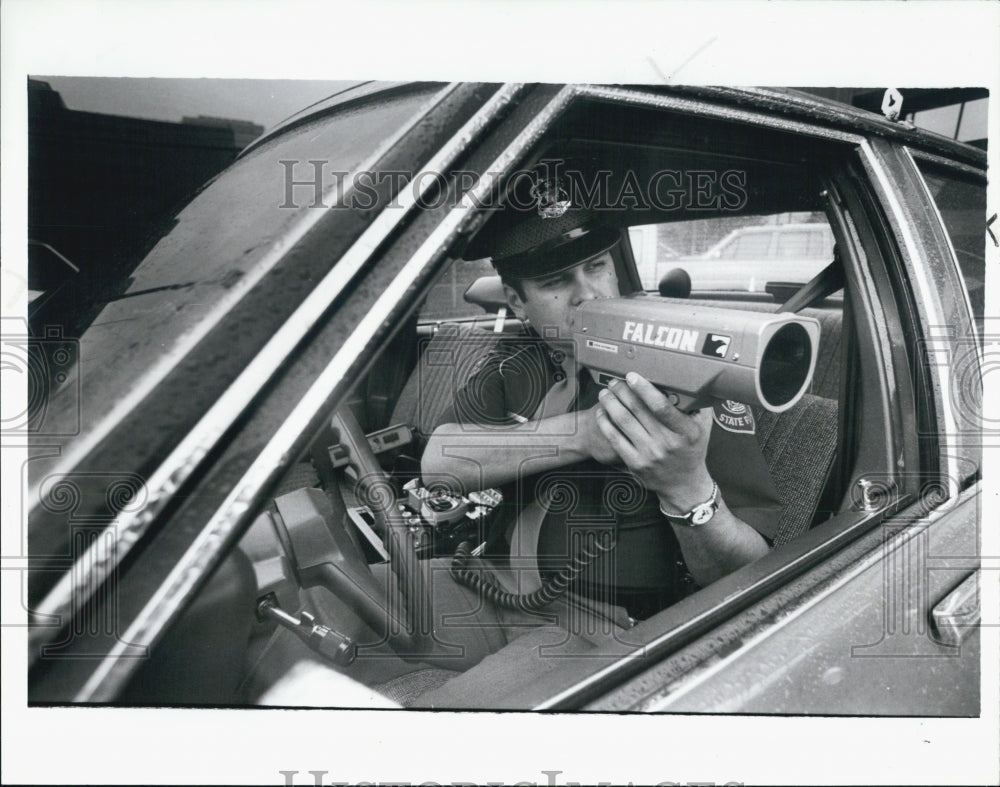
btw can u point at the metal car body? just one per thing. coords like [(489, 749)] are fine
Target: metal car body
[(270, 306)]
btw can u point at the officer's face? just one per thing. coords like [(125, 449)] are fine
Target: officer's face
[(549, 301)]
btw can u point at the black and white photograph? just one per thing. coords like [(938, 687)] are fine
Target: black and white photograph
[(584, 413)]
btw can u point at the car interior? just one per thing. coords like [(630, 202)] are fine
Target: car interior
[(331, 574)]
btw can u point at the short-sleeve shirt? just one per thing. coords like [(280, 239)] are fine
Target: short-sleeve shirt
[(507, 386)]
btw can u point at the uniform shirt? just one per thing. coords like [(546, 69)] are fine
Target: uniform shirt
[(590, 499)]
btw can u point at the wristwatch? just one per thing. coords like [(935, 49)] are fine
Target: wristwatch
[(699, 515)]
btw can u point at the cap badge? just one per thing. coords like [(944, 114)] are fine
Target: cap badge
[(551, 198)]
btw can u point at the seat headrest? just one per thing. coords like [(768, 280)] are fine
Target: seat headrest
[(487, 292)]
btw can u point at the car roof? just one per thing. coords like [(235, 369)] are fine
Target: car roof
[(789, 102), (355, 94), (799, 105)]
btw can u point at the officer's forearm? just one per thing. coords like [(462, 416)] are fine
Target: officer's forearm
[(466, 458), (720, 546)]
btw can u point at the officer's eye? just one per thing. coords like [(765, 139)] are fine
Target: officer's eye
[(596, 265)]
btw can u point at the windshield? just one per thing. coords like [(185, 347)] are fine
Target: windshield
[(209, 254)]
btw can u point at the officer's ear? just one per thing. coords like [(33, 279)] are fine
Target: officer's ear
[(514, 300)]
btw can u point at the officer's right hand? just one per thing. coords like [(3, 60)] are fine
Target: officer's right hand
[(594, 441)]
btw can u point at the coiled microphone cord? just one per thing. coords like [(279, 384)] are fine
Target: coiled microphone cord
[(551, 588)]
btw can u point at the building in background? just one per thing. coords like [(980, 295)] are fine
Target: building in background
[(244, 132), (102, 189)]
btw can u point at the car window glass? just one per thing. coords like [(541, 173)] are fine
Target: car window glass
[(744, 249), (731, 253), (793, 244), (728, 249), (211, 249), (752, 245), (820, 244), (962, 205), (445, 301)]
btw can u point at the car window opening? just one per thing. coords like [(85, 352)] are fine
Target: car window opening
[(776, 254)]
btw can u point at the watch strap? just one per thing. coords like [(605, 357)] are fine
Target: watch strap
[(697, 515)]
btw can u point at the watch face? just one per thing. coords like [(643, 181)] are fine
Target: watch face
[(702, 514)]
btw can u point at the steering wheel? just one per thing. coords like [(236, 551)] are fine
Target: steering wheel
[(377, 492)]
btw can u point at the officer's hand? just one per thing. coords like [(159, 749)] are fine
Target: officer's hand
[(594, 441), (663, 447)]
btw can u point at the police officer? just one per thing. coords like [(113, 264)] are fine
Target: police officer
[(530, 421)]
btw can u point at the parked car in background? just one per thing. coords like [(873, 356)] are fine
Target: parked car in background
[(749, 257), (225, 509), (769, 242)]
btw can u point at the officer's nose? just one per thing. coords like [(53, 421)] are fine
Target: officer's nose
[(583, 289)]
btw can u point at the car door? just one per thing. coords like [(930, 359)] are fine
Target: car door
[(895, 629)]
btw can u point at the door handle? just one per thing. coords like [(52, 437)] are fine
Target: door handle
[(957, 615)]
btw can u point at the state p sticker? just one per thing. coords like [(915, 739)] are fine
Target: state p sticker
[(735, 417)]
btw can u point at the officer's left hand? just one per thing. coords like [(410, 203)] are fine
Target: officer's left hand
[(663, 447)]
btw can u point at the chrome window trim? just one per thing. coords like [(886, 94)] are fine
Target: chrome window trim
[(108, 677), (941, 161), (101, 559), (929, 308), (704, 108), (938, 161)]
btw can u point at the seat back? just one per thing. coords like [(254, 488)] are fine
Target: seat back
[(447, 360), (799, 446)]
